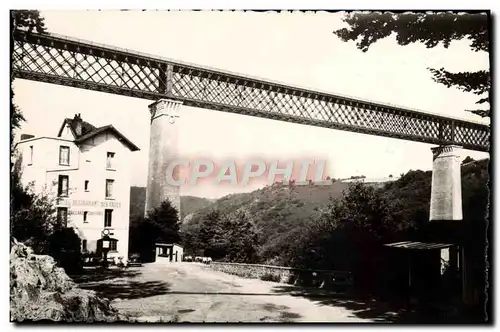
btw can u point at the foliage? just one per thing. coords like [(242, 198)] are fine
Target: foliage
[(33, 221), (33, 218), (16, 118), (230, 237), (279, 213), (270, 277), (64, 246), (166, 217), (160, 225), (190, 204), (409, 199), (350, 233), (354, 224), (432, 29), (468, 159), (319, 232), (33, 215), (29, 20), (476, 213)]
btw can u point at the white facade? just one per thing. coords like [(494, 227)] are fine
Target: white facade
[(102, 158), (168, 253)]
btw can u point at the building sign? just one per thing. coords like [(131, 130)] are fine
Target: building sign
[(79, 202), (89, 213)]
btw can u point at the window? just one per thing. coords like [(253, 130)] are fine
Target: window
[(110, 160), (109, 188), (62, 215), (86, 185), (84, 245), (30, 159), (64, 155), (85, 213), (112, 245), (108, 216), (62, 189)]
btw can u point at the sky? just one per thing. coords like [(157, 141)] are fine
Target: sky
[(295, 48)]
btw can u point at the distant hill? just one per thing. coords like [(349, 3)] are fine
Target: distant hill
[(277, 211), (189, 204), (192, 204)]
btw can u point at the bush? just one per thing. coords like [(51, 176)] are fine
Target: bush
[(270, 277), (64, 247)]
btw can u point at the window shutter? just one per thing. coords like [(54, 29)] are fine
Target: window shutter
[(59, 186)]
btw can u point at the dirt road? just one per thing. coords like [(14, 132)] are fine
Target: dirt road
[(190, 292)]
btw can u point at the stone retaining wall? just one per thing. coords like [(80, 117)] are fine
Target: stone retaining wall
[(303, 277)]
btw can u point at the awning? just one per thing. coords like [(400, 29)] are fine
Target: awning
[(419, 245)]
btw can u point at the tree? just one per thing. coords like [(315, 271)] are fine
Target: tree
[(467, 159), (230, 237), (32, 218), (33, 215), (241, 238), (208, 229), (349, 236), (28, 20), (160, 225), (64, 246), (166, 217), (432, 29)]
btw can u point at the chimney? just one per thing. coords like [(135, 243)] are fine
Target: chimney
[(26, 136), (77, 124)]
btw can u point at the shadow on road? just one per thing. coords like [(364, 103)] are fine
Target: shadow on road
[(370, 307), (126, 290), (100, 274), (119, 283), (362, 306)]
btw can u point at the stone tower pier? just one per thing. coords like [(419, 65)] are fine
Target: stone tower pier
[(446, 192), (163, 149)]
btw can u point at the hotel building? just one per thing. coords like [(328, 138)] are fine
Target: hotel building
[(87, 171)]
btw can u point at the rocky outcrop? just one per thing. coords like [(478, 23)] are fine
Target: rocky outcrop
[(39, 290)]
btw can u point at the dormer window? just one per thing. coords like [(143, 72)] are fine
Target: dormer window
[(110, 160)]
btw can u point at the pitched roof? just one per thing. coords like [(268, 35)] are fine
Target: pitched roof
[(86, 127), (89, 131), (111, 129)]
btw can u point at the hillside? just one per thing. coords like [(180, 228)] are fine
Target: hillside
[(277, 211), (189, 204), (280, 212)]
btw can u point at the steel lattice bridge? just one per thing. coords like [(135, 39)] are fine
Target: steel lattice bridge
[(71, 62)]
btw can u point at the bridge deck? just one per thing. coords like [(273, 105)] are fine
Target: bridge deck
[(82, 64)]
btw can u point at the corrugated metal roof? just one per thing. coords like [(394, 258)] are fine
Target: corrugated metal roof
[(418, 245)]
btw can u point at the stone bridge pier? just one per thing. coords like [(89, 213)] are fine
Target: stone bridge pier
[(163, 151), (446, 213), (446, 194)]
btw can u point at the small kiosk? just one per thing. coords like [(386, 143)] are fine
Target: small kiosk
[(166, 253)]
